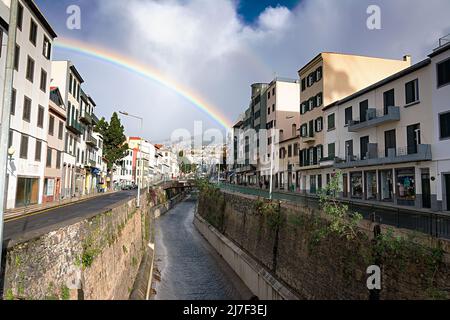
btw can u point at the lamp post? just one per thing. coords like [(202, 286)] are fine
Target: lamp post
[(140, 152)]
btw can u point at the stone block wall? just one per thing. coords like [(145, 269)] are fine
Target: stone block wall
[(414, 266), (94, 259)]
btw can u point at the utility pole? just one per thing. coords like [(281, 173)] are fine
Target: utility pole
[(7, 95)]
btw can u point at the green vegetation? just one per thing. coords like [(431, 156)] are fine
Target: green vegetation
[(114, 139)]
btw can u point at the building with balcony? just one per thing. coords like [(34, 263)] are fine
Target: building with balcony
[(382, 140), (30, 101), (325, 79), (440, 87), (66, 77), (55, 147)]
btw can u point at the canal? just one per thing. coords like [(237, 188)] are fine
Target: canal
[(187, 267)]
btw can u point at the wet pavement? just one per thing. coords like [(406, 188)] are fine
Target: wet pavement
[(187, 267)]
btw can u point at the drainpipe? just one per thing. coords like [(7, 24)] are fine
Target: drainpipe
[(6, 116)]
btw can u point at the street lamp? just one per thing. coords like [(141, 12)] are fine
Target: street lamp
[(138, 204)]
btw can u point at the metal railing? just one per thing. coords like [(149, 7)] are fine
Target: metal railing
[(431, 223), (444, 40)]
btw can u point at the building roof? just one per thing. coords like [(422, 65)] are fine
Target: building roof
[(35, 9), (381, 83), (75, 72), (439, 50)]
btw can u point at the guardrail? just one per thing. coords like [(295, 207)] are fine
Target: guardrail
[(432, 223)]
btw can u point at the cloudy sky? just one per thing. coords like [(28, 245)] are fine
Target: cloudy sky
[(218, 48)]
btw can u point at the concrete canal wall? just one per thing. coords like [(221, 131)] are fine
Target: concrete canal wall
[(297, 246)]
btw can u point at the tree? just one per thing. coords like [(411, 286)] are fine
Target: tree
[(114, 139)]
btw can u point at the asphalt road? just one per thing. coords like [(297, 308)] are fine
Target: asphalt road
[(28, 227), (188, 266)]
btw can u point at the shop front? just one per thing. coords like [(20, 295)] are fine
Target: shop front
[(356, 185), (406, 186)]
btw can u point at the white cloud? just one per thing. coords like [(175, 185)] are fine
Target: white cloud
[(206, 46)]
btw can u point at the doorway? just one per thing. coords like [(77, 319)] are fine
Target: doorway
[(426, 190), (447, 190)]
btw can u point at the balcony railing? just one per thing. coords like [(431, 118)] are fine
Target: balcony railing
[(95, 119), (421, 152), (86, 118), (90, 140), (375, 117), (74, 126)]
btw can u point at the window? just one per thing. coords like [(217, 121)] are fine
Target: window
[(27, 110), (312, 103), (443, 73), (47, 48), (16, 58), (273, 108), (349, 149), (1, 41), (289, 151), (348, 116), (412, 91), (51, 125), (319, 100), (19, 16), (303, 84), (331, 151), (273, 92), (390, 141), (319, 153), (61, 130), (43, 80), (364, 147), (444, 125), (295, 149), (268, 95), (70, 83), (40, 121), (319, 124), (389, 100), (268, 111), (58, 159), (319, 74), (30, 69), (24, 147), (413, 138), (38, 151), (33, 32), (303, 107), (49, 157), (331, 122), (294, 130), (304, 130), (13, 102), (363, 108), (10, 138)]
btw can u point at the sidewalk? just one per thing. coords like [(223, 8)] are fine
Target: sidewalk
[(24, 211)]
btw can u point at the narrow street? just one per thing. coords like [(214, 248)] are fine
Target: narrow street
[(187, 267), (28, 227)]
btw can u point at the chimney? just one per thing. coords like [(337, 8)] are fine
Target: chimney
[(407, 58)]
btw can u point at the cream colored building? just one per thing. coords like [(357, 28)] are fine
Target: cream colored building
[(324, 80), (30, 100), (384, 150)]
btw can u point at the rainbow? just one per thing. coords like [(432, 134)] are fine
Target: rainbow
[(145, 71)]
